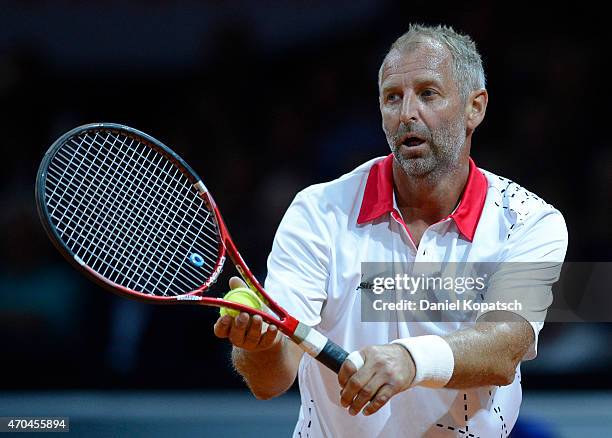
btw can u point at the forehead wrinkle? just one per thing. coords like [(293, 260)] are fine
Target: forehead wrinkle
[(417, 76), (418, 58)]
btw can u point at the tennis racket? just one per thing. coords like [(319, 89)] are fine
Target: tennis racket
[(133, 217)]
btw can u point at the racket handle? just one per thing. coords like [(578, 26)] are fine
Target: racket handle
[(324, 349), (332, 356)]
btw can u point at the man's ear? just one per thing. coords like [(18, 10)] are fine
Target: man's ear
[(476, 108)]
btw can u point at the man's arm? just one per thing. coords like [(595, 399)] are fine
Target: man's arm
[(486, 354), (489, 353), (264, 357), (271, 372)]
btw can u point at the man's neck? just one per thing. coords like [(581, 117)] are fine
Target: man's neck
[(429, 199)]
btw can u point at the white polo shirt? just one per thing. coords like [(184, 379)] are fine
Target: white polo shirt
[(314, 271)]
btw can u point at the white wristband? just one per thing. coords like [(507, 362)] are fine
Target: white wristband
[(433, 359)]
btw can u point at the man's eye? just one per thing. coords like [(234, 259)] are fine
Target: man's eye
[(393, 97), (428, 93)]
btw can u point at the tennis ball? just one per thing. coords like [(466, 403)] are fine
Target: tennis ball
[(240, 295)]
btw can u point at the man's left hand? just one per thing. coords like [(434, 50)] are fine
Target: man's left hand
[(388, 369)]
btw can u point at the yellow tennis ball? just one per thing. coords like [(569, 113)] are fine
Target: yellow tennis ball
[(240, 295)]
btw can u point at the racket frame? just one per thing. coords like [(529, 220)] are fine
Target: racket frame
[(309, 339)]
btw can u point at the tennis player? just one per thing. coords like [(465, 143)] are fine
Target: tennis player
[(425, 202)]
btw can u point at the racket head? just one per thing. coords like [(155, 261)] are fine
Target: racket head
[(109, 195), (74, 233), (72, 179)]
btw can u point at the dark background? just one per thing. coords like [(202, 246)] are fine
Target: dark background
[(264, 99)]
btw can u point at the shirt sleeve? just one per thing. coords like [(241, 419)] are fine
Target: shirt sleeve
[(298, 263), (531, 267)]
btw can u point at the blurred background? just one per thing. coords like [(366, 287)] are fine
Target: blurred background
[(282, 95)]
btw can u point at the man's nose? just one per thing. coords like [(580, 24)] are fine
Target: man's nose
[(409, 111)]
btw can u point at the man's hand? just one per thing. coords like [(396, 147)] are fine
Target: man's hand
[(245, 331), (267, 363), (388, 369)]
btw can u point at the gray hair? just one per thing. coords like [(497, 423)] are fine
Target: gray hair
[(467, 63)]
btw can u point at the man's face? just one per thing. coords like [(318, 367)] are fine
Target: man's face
[(422, 112)]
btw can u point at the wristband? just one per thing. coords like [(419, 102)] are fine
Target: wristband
[(433, 360)]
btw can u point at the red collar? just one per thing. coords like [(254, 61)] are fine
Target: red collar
[(378, 197)]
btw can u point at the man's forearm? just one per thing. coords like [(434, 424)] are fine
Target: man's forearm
[(271, 372), (488, 353)]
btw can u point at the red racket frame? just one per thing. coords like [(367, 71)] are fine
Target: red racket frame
[(311, 341)]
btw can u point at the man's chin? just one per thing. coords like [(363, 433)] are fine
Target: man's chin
[(415, 166)]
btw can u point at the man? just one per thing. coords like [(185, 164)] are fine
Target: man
[(426, 202)]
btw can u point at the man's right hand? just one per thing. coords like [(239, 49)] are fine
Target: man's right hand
[(268, 364), (248, 332)]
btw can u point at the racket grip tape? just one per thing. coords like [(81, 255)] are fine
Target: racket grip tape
[(332, 356), (323, 349)]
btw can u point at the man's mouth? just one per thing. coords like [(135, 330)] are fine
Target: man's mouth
[(411, 141)]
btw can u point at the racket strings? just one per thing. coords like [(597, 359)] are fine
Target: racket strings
[(137, 266), (87, 260), (130, 214), (110, 250), (137, 203), (141, 263)]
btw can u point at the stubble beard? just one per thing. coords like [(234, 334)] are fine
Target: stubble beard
[(445, 144)]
